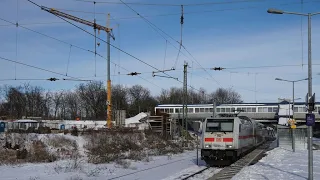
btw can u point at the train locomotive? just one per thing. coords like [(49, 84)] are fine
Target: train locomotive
[(226, 139)]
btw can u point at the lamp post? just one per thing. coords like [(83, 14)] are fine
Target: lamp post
[(310, 134), (279, 79), (292, 128)]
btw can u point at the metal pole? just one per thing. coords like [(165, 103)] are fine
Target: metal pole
[(197, 148), (108, 83), (214, 109), (292, 129), (186, 99), (310, 134)]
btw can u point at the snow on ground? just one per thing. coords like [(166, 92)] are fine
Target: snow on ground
[(159, 167), (281, 163), (193, 169)]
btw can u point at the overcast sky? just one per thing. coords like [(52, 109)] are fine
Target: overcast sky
[(230, 35)]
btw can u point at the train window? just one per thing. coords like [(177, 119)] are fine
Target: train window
[(275, 109), (177, 110), (206, 109), (260, 109), (190, 110), (254, 109), (218, 109), (211, 109), (201, 109), (249, 109), (219, 125), (302, 109), (232, 109), (171, 110), (223, 110), (239, 127), (197, 110), (166, 110), (269, 109), (227, 109)]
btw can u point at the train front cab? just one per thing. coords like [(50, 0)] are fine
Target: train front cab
[(218, 141)]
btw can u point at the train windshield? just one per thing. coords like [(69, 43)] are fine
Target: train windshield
[(219, 125)]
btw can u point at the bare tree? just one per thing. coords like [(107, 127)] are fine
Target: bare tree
[(221, 96), (57, 99), (94, 96), (119, 97), (72, 102), (15, 101), (140, 100), (89, 100)]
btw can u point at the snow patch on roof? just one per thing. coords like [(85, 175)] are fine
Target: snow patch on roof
[(136, 118)]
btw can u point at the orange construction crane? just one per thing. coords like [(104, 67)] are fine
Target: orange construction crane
[(109, 34)]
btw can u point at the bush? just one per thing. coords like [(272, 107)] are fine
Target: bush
[(39, 153), (74, 131), (60, 141), (44, 130), (8, 156), (112, 146)]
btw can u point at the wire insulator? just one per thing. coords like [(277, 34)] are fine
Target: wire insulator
[(181, 18)]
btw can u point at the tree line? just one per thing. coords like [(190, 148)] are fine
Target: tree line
[(88, 100)]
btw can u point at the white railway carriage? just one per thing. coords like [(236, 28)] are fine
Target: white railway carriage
[(224, 139)]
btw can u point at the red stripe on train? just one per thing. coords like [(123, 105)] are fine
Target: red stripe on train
[(209, 139), (227, 139)]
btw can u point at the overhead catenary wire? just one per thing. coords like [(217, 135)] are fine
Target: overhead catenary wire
[(156, 28), (95, 40), (191, 12), (301, 24), (48, 79), (17, 29), (109, 44), (180, 43), (158, 4), (165, 55), (119, 44), (89, 33), (75, 47), (158, 15), (128, 53), (35, 67), (68, 60), (266, 66)]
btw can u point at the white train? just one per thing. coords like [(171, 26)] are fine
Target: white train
[(225, 139)]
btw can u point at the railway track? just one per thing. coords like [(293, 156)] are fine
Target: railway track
[(187, 176), (230, 171)]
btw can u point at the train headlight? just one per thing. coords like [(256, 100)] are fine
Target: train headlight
[(207, 146), (228, 146)]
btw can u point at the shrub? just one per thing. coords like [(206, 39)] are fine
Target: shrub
[(74, 131), (111, 146), (60, 141), (39, 153)]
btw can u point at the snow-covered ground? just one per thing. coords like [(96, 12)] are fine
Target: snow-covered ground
[(152, 167), (282, 163), (159, 167)]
